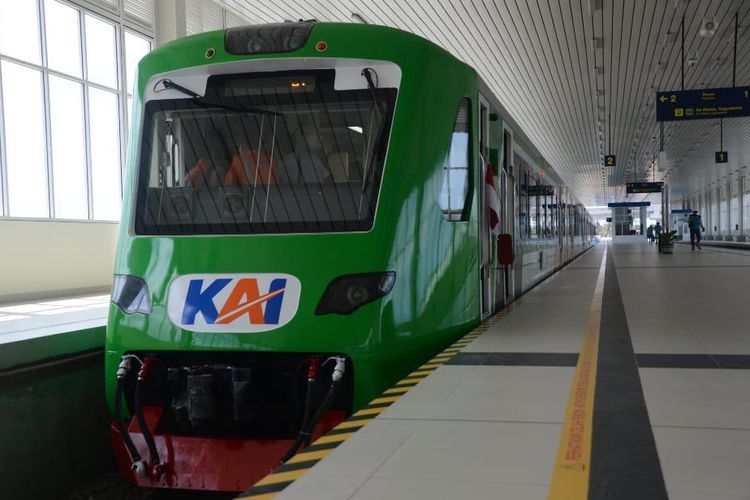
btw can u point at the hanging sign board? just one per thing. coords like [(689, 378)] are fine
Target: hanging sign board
[(682, 210), (721, 157), (610, 161), (679, 105), (643, 187), (628, 204), (540, 190)]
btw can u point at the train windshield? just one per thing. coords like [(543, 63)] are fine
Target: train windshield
[(260, 154)]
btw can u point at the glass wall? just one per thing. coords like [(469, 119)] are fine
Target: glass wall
[(66, 79)]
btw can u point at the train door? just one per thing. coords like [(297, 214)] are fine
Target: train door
[(557, 204), (508, 204), (486, 243), (501, 275)]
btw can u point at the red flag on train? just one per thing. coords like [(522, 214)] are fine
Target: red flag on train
[(490, 194)]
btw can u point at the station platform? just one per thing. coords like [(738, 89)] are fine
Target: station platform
[(623, 376), (55, 422), (44, 329)]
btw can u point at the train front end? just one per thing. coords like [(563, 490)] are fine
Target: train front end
[(251, 278)]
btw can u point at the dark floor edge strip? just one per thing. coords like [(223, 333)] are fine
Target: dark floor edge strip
[(513, 359), (624, 460), (644, 360)]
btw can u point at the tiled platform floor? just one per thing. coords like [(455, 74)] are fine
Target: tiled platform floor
[(493, 431)]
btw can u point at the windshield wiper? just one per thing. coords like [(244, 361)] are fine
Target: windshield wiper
[(378, 144), (203, 101)]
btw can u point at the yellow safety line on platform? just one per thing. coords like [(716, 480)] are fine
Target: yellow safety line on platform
[(396, 390), (334, 438), (309, 455), (387, 399), (348, 424), (430, 365), (281, 477), (570, 476), (410, 381)]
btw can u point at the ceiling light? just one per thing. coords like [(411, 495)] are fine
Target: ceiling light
[(708, 27)]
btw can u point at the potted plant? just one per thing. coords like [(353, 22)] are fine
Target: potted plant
[(666, 241)]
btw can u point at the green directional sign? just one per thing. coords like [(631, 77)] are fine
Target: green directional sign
[(702, 104)]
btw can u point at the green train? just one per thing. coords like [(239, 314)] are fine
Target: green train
[(311, 210)]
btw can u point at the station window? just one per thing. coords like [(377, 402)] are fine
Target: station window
[(454, 197), (66, 73)]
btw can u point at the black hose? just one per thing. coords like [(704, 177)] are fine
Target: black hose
[(132, 450), (301, 436), (321, 409), (142, 424)]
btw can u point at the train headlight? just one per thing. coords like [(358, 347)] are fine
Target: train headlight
[(346, 294), (267, 38), (130, 294)]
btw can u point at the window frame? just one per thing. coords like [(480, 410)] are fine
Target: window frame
[(447, 214), (122, 25)]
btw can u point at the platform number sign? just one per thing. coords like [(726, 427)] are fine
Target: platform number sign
[(721, 157), (610, 160)]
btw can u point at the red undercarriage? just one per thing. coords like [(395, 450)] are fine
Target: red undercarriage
[(203, 463)]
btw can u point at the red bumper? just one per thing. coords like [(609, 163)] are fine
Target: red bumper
[(202, 463)]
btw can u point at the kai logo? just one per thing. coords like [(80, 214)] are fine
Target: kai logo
[(239, 303)]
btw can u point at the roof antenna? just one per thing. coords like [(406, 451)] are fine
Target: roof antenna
[(358, 17)]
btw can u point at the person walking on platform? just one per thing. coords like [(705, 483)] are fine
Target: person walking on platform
[(650, 234), (695, 223)]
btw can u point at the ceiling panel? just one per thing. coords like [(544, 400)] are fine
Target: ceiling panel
[(580, 76)]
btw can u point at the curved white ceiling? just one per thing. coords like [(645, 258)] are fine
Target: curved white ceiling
[(580, 76)]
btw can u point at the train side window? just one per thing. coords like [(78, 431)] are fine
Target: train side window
[(533, 208), (454, 199), (523, 201)]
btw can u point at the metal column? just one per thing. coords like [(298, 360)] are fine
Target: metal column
[(741, 210), (730, 227)]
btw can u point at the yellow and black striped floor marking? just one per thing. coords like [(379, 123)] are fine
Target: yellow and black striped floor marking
[(302, 462)]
